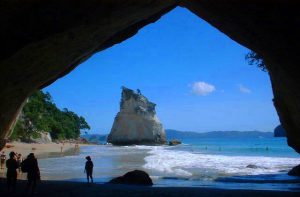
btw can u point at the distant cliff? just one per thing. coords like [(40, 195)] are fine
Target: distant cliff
[(95, 138), (279, 131), (174, 134), (136, 122)]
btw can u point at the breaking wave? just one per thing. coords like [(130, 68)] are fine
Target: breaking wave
[(178, 163)]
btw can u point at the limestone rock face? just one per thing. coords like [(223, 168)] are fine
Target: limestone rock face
[(44, 138), (136, 123)]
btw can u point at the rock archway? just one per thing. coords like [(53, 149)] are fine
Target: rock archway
[(43, 40)]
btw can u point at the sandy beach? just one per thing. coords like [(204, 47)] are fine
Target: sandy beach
[(40, 150)]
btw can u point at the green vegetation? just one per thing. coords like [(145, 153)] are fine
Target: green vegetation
[(41, 114), (255, 59)]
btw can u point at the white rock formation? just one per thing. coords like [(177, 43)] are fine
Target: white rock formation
[(44, 138), (136, 123)]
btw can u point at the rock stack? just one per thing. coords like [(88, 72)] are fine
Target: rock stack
[(136, 122)]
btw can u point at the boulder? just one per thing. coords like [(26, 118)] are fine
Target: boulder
[(136, 177), (174, 142), (136, 122), (295, 171), (252, 166)]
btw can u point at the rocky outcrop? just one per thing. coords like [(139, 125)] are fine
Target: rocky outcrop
[(279, 131), (252, 166), (136, 123), (295, 171), (174, 142), (44, 137), (42, 41), (136, 177)]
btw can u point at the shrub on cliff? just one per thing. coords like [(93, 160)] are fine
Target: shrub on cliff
[(41, 114)]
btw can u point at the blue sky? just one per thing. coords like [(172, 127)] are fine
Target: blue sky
[(197, 76)]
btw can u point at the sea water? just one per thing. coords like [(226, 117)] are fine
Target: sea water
[(234, 163)]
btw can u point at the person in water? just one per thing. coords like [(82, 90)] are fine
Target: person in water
[(11, 174), (89, 169), (33, 172)]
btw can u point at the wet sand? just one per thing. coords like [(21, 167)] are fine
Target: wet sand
[(74, 189)]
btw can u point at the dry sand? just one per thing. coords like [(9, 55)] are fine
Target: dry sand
[(40, 150)]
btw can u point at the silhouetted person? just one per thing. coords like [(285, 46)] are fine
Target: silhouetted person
[(89, 169), (139, 91), (33, 172), (11, 174), (3, 158), (19, 161)]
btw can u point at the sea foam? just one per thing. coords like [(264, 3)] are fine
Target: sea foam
[(185, 164)]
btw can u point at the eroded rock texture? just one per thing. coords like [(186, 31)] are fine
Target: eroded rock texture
[(42, 40), (136, 123)]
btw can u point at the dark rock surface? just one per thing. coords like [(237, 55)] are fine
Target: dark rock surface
[(252, 166), (136, 177), (174, 142), (295, 171), (279, 131), (42, 41), (272, 30)]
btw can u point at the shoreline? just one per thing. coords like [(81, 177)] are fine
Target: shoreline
[(68, 188), (41, 151), (69, 150)]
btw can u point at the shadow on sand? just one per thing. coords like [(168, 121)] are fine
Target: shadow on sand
[(74, 189)]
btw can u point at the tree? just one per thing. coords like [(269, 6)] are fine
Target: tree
[(256, 59), (41, 114)]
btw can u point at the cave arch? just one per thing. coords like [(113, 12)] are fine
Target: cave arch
[(44, 40)]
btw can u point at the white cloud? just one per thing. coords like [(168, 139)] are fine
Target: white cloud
[(244, 89), (202, 88)]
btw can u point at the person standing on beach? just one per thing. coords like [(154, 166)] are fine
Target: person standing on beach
[(89, 169), (33, 172), (19, 160), (11, 174), (3, 158)]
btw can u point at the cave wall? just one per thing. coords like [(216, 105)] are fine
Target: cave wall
[(272, 29), (43, 40)]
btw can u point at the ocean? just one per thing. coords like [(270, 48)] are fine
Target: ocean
[(234, 163)]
